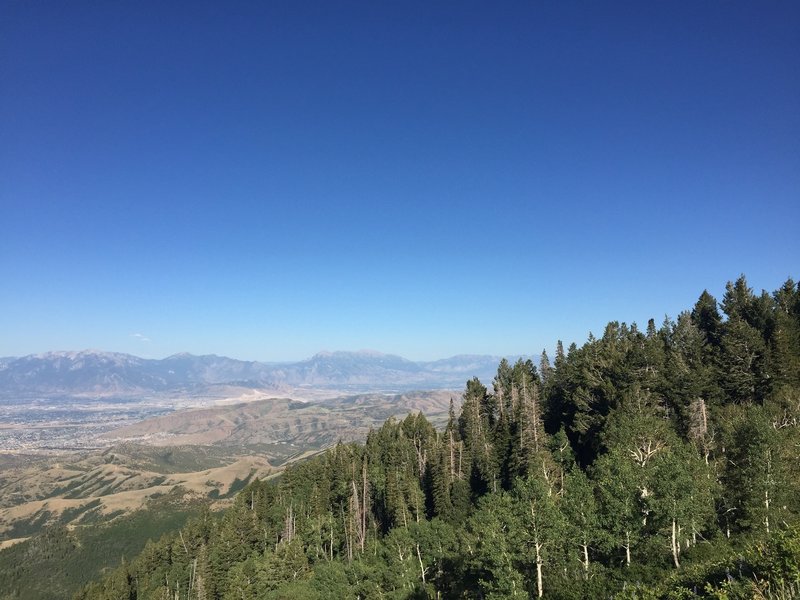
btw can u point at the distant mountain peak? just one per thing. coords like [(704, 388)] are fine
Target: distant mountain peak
[(80, 354), (100, 373)]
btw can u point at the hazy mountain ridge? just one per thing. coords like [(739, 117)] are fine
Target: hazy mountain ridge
[(92, 372), (84, 372)]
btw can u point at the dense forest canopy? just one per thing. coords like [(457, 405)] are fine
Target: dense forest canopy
[(654, 463)]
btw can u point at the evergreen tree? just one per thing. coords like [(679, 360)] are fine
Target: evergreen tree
[(785, 340), (744, 376), (475, 424), (705, 315)]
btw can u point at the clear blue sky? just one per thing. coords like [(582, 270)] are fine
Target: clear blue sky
[(268, 179)]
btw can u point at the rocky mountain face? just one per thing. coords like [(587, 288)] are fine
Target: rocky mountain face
[(94, 373)]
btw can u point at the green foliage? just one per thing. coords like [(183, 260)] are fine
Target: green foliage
[(659, 464), (72, 558)]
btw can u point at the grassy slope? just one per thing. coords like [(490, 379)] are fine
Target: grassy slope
[(99, 486), (57, 562)]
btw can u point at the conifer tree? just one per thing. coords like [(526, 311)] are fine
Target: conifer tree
[(475, 424), (744, 376), (705, 315)]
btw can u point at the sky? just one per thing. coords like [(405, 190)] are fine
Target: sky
[(265, 180)]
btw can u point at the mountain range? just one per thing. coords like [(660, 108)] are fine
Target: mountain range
[(109, 374)]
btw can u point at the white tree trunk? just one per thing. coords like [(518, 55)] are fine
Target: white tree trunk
[(539, 589), (585, 560), (421, 566), (627, 548), (675, 548)]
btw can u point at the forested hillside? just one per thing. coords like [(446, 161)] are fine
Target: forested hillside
[(654, 463)]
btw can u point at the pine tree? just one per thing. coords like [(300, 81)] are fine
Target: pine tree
[(475, 424), (744, 376), (784, 350), (705, 315), (441, 479)]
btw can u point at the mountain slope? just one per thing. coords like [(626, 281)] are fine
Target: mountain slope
[(284, 421)]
